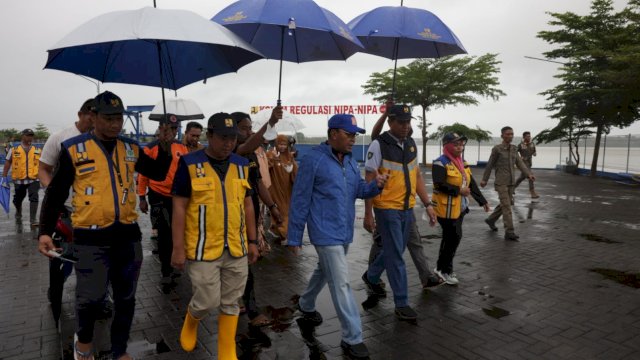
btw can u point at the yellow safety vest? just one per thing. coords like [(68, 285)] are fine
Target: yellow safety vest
[(103, 186), (215, 217), (448, 206), (24, 165), (401, 164)]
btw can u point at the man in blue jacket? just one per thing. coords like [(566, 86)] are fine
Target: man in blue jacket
[(324, 195)]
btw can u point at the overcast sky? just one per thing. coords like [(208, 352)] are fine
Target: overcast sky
[(32, 95)]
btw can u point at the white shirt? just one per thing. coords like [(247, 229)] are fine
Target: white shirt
[(51, 149), (374, 155)]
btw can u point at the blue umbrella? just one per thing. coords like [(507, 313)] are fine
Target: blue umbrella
[(149, 46), (400, 32), (290, 30), (5, 193)]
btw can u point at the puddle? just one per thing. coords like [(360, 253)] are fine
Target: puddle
[(599, 238), (621, 277), (496, 312)]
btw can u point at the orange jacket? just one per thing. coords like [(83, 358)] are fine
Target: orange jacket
[(161, 187)]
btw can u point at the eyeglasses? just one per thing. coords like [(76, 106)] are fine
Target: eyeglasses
[(349, 135)]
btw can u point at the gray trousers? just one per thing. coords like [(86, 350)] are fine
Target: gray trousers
[(415, 247)]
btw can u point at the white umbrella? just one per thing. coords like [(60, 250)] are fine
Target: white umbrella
[(288, 123), (183, 109)]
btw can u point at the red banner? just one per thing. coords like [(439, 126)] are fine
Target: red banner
[(326, 109)]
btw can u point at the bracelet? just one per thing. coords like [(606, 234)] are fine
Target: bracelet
[(253, 242)]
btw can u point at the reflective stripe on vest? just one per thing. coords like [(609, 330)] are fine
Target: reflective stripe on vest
[(401, 164), (215, 217), (24, 164), (98, 199)]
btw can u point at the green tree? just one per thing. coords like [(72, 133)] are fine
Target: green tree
[(41, 132), (437, 83), (476, 134), (9, 134), (597, 90)]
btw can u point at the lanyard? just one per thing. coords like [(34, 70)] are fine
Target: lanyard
[(116, 165)]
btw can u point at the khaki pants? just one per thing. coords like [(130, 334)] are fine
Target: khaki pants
[(505, 194), (217, 285)]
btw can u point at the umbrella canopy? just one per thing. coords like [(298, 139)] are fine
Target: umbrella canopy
[(154, 47), (183, 109), (290, 30), (400, 32), (5, 194), (413, 33), (288, 124)]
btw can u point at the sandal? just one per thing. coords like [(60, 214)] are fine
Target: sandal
[(79, 355), (260, 321)]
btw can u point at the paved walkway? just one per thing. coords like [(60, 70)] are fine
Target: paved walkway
[(567, 290)]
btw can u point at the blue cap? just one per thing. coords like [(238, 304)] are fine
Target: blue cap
[(346, 122)]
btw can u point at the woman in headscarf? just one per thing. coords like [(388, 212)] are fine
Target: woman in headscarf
[(283, 169), (452, 186)]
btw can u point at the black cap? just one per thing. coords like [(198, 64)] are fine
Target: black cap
[(170, 119), (27, 132), (452, 137), (400, 112), (222, 124), (87, 106), (108, 103)]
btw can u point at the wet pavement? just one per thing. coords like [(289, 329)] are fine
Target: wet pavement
[(569, 289)]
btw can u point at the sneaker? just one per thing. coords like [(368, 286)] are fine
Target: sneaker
[(406, 313), (534, 195), (449, 279), (511, 236), (374, 288), (492, 225), (433, 281), (355, 351), (311, 317)]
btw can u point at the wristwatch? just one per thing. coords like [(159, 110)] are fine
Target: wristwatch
[(254, 242)]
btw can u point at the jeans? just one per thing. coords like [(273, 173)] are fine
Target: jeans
[(333, 270), (394, 226), (416, 250), (118, 264)]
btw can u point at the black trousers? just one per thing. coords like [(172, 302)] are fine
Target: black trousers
[(20, 192), (451, 235), (97, 266), (162, 209)]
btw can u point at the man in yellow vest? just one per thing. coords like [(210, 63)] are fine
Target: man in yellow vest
[(100, 167), (394, 153), (214, 231), (24, 159)]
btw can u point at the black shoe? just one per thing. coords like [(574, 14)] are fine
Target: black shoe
[(406, 313), (311, 317), (374, 288), (511, 236), (355, 351), (433, 281), (492, 225)]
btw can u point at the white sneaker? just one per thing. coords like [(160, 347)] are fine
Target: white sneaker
[(450, 279)]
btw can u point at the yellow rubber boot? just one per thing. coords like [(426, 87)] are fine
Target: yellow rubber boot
[(227, 325), (189, 333)]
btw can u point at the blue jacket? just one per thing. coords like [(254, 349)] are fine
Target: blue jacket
[(323, 197)]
